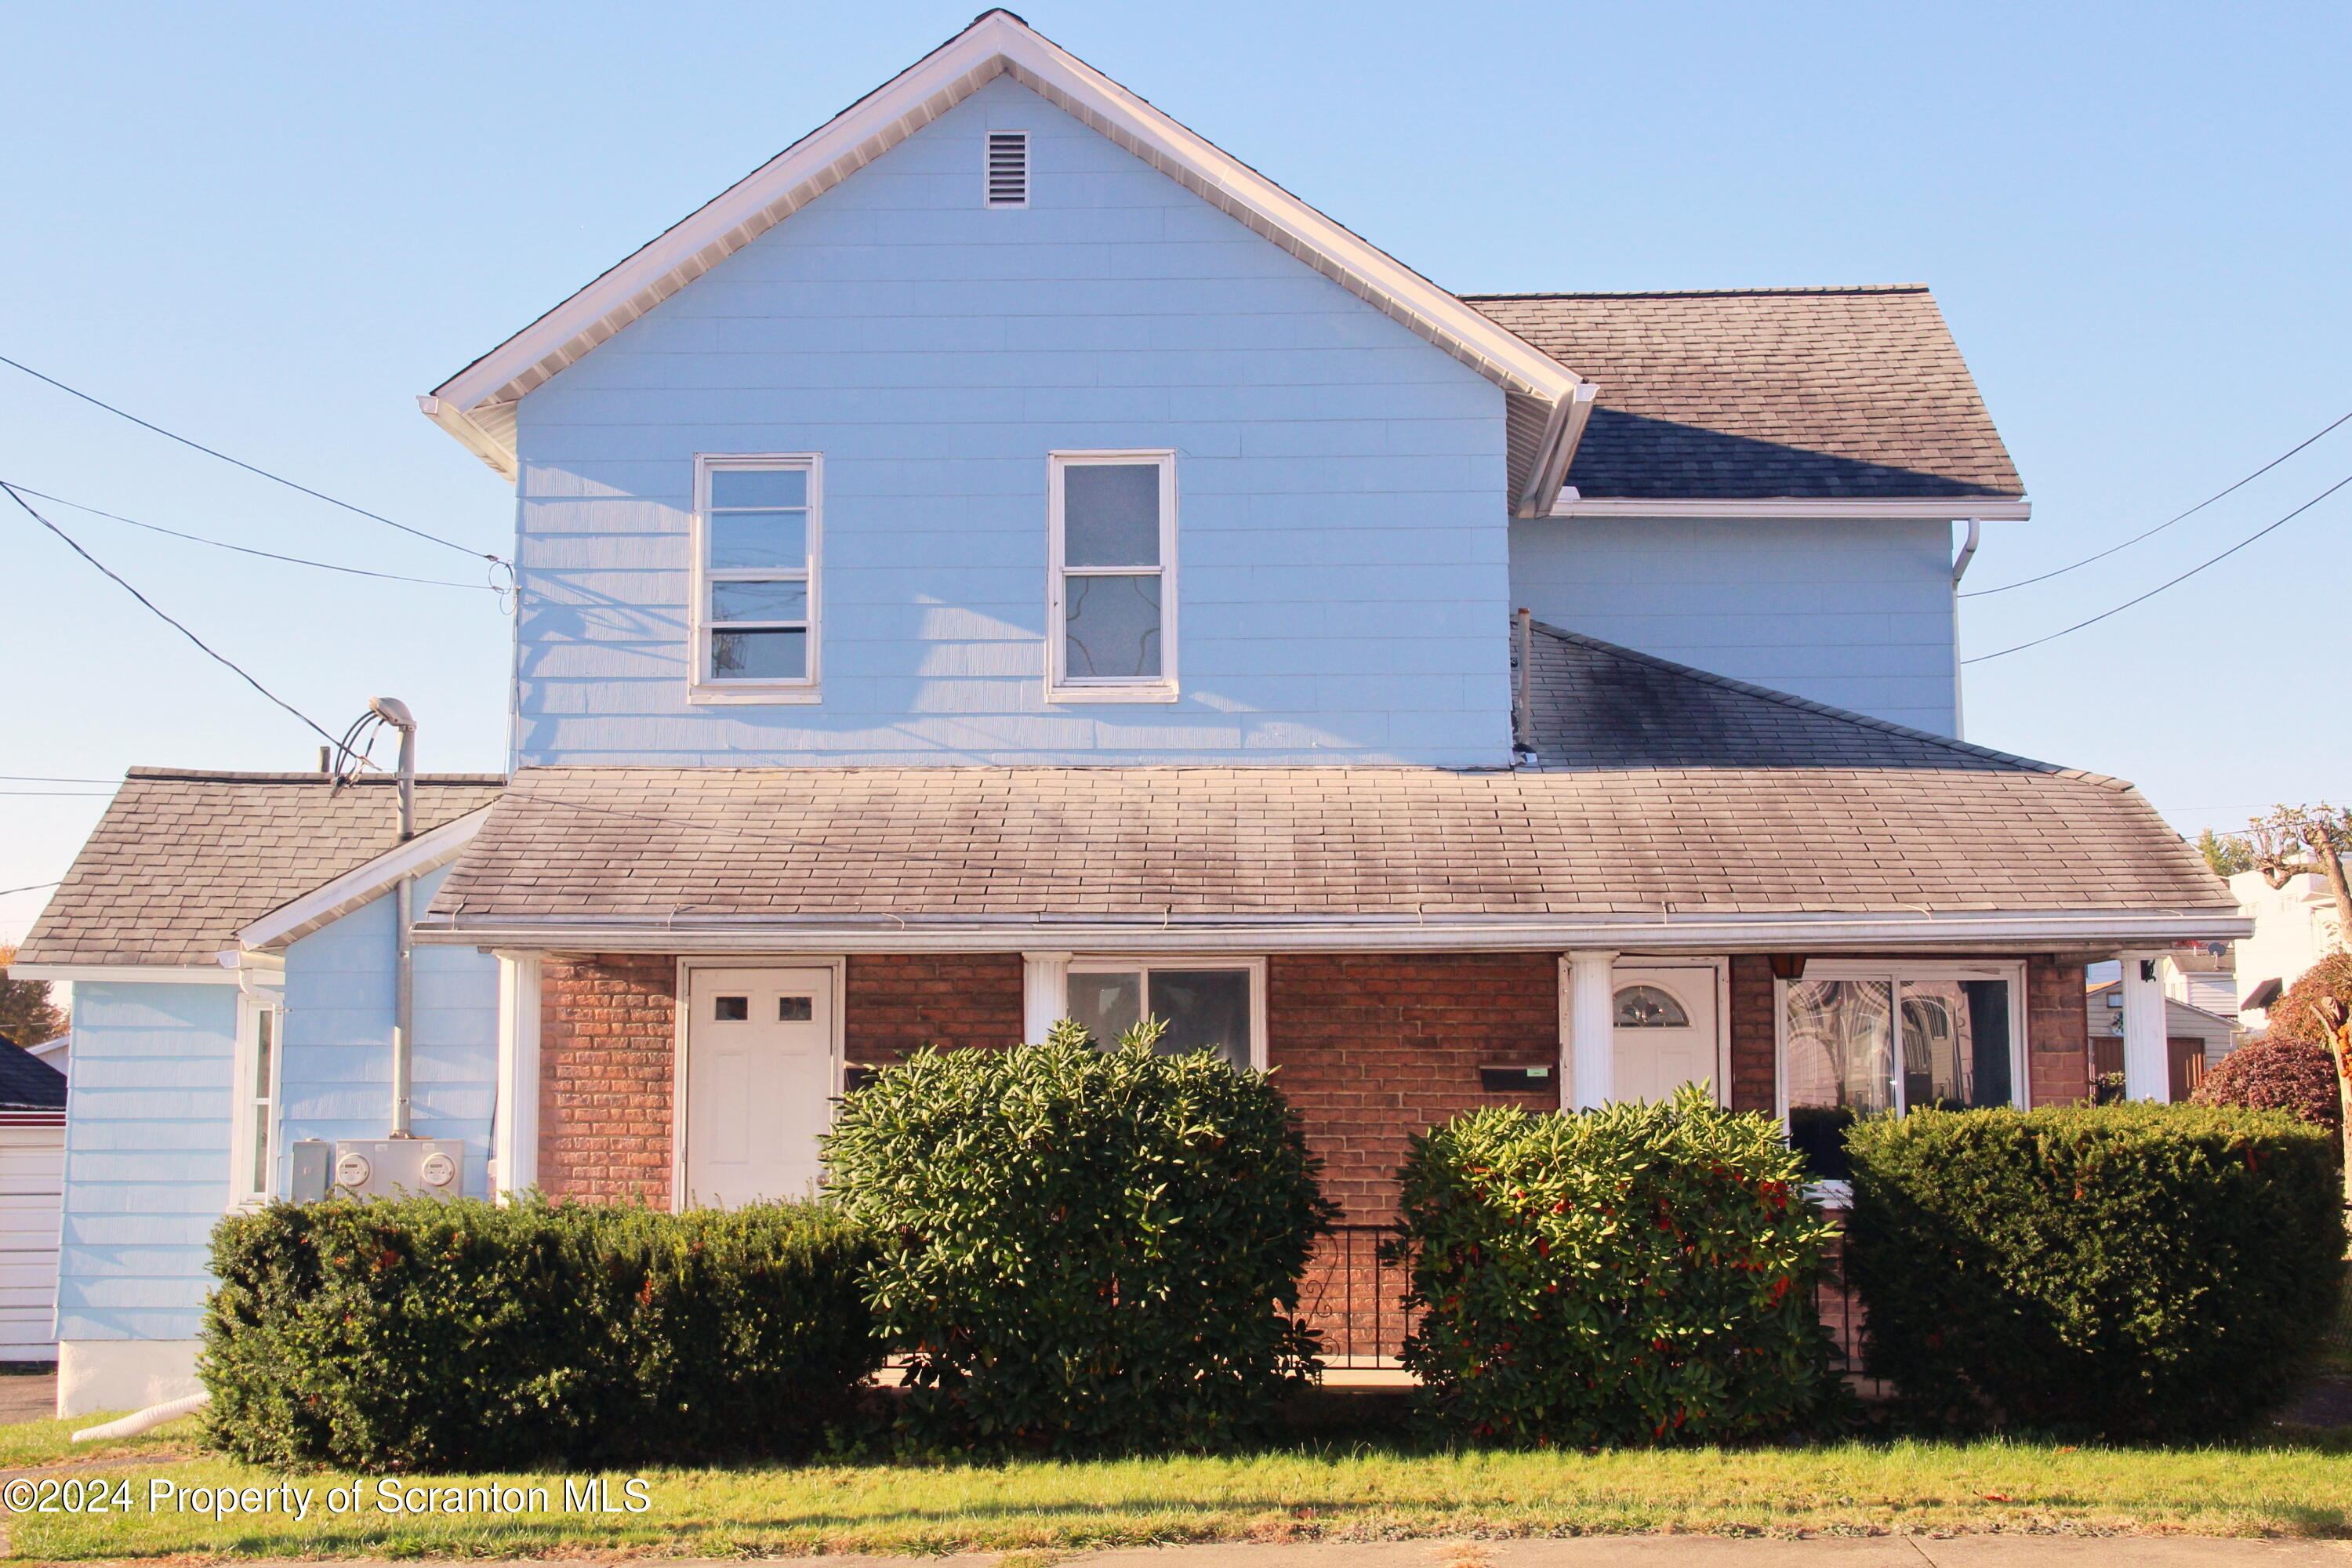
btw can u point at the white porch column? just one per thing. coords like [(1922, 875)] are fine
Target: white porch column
[(514, 1139), (1045, 994), (2147, 1064), (1591, 1041)]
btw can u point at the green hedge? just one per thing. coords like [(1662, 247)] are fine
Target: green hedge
[(424, 1335), (1640, 1274), (2135, 1271), (1082, 1250)]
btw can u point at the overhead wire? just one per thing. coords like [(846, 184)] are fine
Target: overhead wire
[(30, 886), (247, 550), (2159, 528), (2160, 587), (249, 468), (156, 610)]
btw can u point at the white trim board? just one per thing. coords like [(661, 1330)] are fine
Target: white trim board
[(330, 902), (134, 974), (1799, 508), (476, 405), (2074, 932)]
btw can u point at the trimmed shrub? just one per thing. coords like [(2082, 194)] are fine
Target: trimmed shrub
[(2132, 1271), (2293, 1076), (1636, 1274), (425, 1335), (1082, 1251)]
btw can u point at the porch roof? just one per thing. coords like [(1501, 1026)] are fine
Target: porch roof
[(1666, 801)]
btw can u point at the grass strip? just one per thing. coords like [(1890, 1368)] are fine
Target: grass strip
[(2297, 1485)]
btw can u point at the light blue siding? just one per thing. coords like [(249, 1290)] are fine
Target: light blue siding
[(336, 1081), (147, 1154), (1854, 614), (1343, 542)]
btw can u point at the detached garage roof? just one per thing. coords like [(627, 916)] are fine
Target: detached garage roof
[(181, 859), (1825, 394)]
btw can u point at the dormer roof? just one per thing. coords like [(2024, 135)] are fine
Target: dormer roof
[(477, 405)]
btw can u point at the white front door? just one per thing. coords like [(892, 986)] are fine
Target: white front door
[(1664, 1030), (759, 1083)]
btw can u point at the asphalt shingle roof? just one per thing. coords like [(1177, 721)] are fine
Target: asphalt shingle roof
[(1739, 802), (1846, 393), (181, 859), (28, 1083)]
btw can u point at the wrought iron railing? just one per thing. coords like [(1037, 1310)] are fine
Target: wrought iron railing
[(1354, 1295)]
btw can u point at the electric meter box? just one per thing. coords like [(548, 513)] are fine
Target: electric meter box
[(398, 1168)]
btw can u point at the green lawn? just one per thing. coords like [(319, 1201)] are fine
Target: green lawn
[(2299, 1484)]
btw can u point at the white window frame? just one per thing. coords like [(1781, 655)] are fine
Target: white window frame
[(254, 1127), (702, 686), (1113, 963), (2021, 1086), (1060, 686)]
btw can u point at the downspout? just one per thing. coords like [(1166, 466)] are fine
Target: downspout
[(1959, 570), (394, 713)]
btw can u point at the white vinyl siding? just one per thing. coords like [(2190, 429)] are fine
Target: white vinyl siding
[(1111, 619), (756, 543)]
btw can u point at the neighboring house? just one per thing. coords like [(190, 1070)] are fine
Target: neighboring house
[(2195, 1040), (2202, 974), (32, 1171), (2294, 927), (58, 1053), (1006, 559)]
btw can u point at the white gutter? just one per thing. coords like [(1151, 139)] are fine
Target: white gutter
[(1713, 935), (1799, 507)]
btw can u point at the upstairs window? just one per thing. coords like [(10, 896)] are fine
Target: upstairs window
[(755, 588), (1008, 168), (1112, 616)]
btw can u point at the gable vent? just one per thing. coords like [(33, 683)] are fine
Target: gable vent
[(1008, 168)]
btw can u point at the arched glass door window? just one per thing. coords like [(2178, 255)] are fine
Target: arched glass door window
[(1648, 1007)]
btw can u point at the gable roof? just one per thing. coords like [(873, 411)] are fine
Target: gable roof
[(181, 859), (1844, 394), (477, 405), (28, 1083)]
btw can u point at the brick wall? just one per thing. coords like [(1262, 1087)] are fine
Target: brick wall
[(1374, 1048), (605, 1067), (898, 1001), (2057, 1033), (1753, 1044)]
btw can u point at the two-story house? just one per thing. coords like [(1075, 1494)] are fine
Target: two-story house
[(1007, 559)]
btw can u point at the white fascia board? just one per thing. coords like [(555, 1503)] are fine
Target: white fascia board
[(133, 973), (1797, 507), (1562, 434), (289, 923), (1819, 934), (996, 44)]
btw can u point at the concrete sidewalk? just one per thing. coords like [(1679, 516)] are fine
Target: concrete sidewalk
[(1626, 1551)]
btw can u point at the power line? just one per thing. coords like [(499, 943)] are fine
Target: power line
[(29, 887), (219, 659), (2159, 528), (244, 550), (249, 468), (2184, 577)]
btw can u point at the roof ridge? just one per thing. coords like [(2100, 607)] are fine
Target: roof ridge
[(1704, 294), (222, 775), (1806, 704)]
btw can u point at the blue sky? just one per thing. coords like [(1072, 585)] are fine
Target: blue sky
[(268, 226)]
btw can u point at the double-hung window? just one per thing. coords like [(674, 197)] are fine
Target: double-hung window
[(254, 1108), (757, 528), (1111, 615)]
